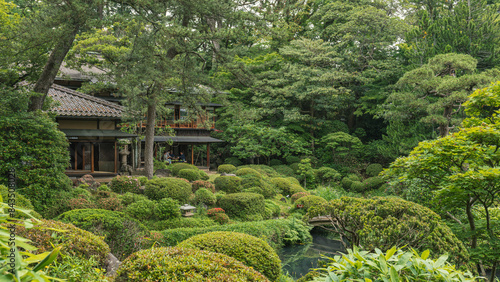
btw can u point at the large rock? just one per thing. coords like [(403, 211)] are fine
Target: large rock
[(162, 173)]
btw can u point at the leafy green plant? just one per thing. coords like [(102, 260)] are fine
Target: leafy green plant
[(327, 175), (167, 208), (77, 269), (248, 249), (226, 168), (374, 169), (243, 205), (141, 210), (175, 264), (202, 184), (394, 265), (176, 168), (129, 198), (299, 195), (204, 196), (228, 184), (189, 174), (309, 201), (168, 187), (245, 171), (123, 184)]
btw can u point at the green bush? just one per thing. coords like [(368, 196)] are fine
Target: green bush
[(258, 185), (178, 264), (167, 208), (347, 181), (282, 184), (124, 184), (385, 222), (394, 265), (233, 161), (374, 169), (180, 222), (129, 198), (310, 201), (203, 175), (299, 195), (247, 171), (327, 175), (262, 169), (226, 168), (276, 232), (205, 196), (228, 184), (143, 180), (111, 203), (202, 184), (242, 205), (283, 170), (74, 241), (176, 168), (272, 209), (275, 162), (219, 195), (21, 202), (292, 160), (293, 180), (296, 188), (168, 187), (122, 233), (357, 186), (189, 174), (141, 210), (294, 167), (80, 203), (373, 183), (76, 269), (248, 249), (32, 145), (104, 187)]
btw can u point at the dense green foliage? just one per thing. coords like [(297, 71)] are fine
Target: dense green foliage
[(309, 201), (176, 264), (176, 168), (228, 184), (124, 184), (226, 168), (276, 232), (251, 251), (122, 233), (189, 174), (168, 187), (245, 206), (385, 222)]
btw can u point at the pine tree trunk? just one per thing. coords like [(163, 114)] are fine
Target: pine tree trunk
[(50, 70), (149, 146)]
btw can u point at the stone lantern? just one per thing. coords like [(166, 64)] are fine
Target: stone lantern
[(188, 210)]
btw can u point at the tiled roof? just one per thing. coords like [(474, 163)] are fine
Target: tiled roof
[(74, 103)]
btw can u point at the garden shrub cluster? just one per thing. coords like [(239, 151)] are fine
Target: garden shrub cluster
[(228, 184), (287, 186), (176, 168), (348, 180), (374, 170), (124, 184), (255, 184), (21, 202), (168, 187), (264, 170), (143, 209), (327, 175), (244, 206), (226, 168), (179, 264), (122, 233), (129, 198), (77, 269), (245, 171), (180, 222), (251, 251), (167, 208), (74, 241), (205, 196), (189, 174), (272, 209), (218, 215), (310, 201), (383, 222), (202, 184), (284, 170), (275, 162), (276, 232), (38, 152), (299, 195)]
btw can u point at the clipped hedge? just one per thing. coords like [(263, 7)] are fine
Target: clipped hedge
[(202, 184), (74, 241), (167, 208), (250, 250), (243, 205), (310, 201), (141, 210), (276, 232), (179, 264), (168, 187), (383, 222), (299, 195), (374, 169), (373, 183), (205, 196), (228, 184), (348, 180), (262, 169), (124, 184), (189, 174), (129, 198), (122, 233), (247, 171), (255, 184), (327, 175), (226, 168), (176, 168), (181, 222)]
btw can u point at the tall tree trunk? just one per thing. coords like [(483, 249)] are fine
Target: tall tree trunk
[(150, 136), (50, 70)]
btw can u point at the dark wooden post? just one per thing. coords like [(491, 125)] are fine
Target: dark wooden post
[(116, 157), (192, 154), (92, 157), (83, 156), (208, 156)]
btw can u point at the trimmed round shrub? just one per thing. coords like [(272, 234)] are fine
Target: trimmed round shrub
[(347, 181), (143, 180), (178, 264), (226, 168), (103, 187), (327, 174), (296, 188), (299, 195), (74, 241), (258, 185), (176, 168), (122, 233), (374, 169), (167, 208), (168, 187), (275, 162), (129, 198), (202, 184), (294, 167), (292, 160), (247, 171), (282, 184), (242, 205), (80, 203), (111, 203), (228, 184), (293, 180), (384, 222), (205, 196), (262, 169), (124, 184), (219, 195), (141, 210), (310, 201), (272, 209), (203, 175), (357, 186), (283, 170), (189, 174), (251, 251), (218, 215), (181, 222), (373, 183)]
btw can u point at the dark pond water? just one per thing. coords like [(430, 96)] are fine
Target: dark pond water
[(299, 259)]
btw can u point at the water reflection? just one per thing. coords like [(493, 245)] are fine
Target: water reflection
[(299, 259)]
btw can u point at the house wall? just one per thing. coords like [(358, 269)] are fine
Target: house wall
[(77, 124)]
